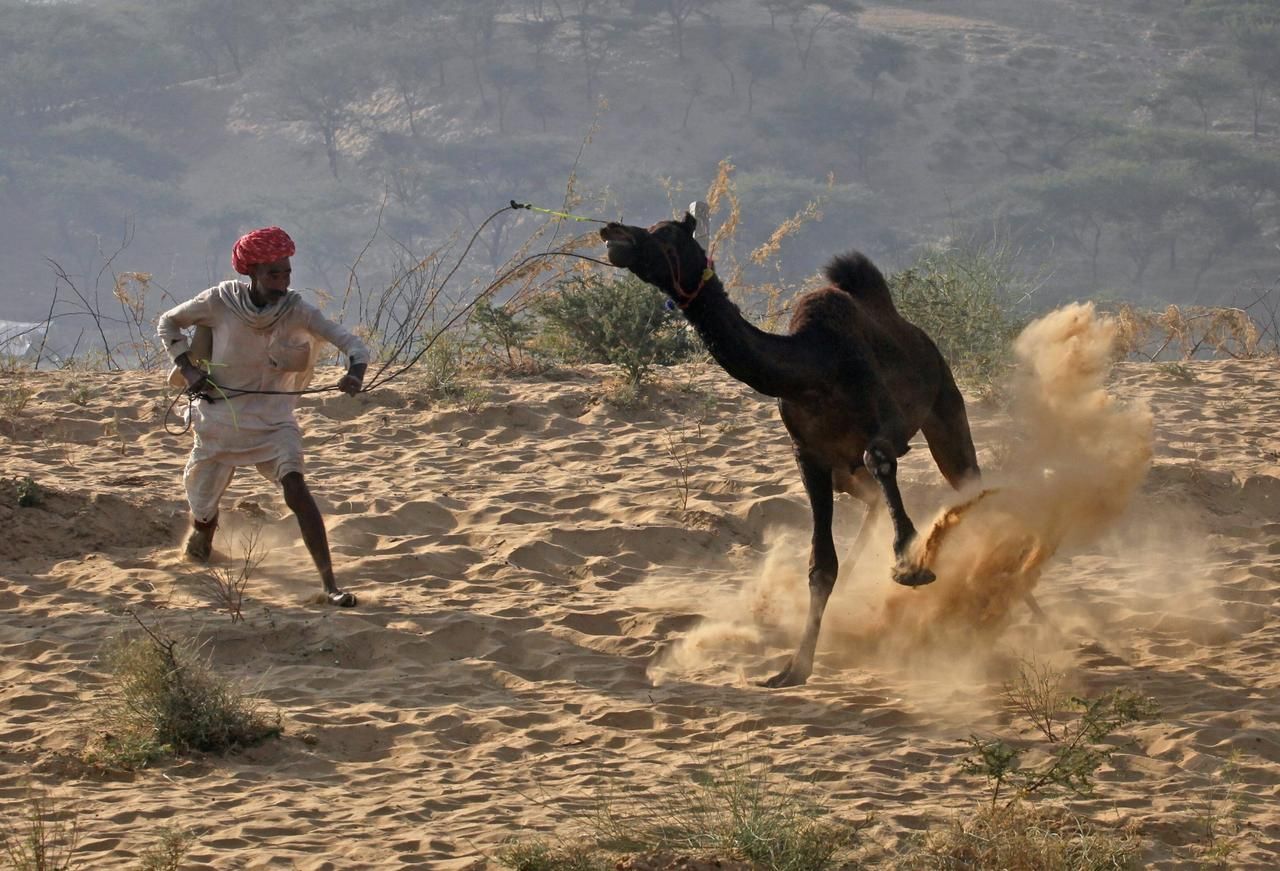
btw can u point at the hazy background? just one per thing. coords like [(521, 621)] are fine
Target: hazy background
[(1125, 149)]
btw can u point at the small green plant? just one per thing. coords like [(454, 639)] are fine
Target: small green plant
[(440, 371), (731, 809), (473, 398), (1218, 816), (503, 335), (167, 853), (623, 322), (680, 451), (736, 809), (79, 394), (30, 494), (14, 398), (1178, 373), (165, 699), (1071, 758), (41, 838), (625, 395)]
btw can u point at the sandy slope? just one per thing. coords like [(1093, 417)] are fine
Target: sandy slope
[(528, 568)]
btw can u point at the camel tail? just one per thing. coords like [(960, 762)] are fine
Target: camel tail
[(857, 276)]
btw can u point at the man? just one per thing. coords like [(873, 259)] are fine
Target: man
[(262, 341)]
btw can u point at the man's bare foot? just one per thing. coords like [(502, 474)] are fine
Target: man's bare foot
[(341, 598)]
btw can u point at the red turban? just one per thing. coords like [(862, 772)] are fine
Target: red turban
[(260, 246)]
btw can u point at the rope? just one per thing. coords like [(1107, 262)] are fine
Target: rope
[(533, 208), (377, 380)]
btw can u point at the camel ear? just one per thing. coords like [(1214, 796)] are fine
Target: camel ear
[(688, 222)]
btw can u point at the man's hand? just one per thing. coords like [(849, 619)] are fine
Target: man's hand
[(197, 379), (353, 381)]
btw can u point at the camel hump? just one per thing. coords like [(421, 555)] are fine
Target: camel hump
[(857, 276)]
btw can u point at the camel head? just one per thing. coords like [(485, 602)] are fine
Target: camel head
[(665, 255)]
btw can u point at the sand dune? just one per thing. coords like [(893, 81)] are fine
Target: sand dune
[(547, 609)]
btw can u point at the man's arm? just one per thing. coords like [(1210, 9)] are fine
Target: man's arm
[(348, 343), (196, 311)]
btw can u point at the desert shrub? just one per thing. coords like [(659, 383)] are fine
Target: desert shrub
[(225, 584), (1021, 831), (29, 493), (623, 322), (165, 698), (1188, 332), (965, 299), (441, 373)]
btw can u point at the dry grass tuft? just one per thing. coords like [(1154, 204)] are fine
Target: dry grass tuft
[(41, 838), (1023, 837)]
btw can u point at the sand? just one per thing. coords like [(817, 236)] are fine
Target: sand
[(560, 596)]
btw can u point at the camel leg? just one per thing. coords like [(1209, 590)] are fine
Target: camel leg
[(823, 567), (1037, 613), (946, 429), (883, 465), (861, 486), (951, 443)]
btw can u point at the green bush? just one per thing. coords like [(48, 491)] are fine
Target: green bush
[(503, 335), (964, 300), (623, 322), (165, 698), (730, 809), (30, 494)]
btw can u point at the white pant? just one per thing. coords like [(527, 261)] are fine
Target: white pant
[(221, 448)]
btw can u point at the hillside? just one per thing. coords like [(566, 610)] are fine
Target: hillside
[(1125, 150)]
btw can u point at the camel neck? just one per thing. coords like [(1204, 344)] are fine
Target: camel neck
[(763, 361)]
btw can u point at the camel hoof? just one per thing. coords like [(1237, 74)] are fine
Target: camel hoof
[(788, 677), (341, 598), (913, 576)]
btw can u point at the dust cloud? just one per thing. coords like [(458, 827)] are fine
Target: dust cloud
[(1076, 457)]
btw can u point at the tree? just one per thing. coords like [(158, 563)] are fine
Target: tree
[(1076, 202), (1143, 200), (1204, 84), (1256, 36), (505, 77), (881, 55), (594, 35), (1032, 134), (470, 178), (238, 29), (409, 58), (318, 86), (761, 61), (678, 11), (808, 19), (848, 123)]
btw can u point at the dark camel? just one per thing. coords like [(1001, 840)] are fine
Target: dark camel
[(854, 382)]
